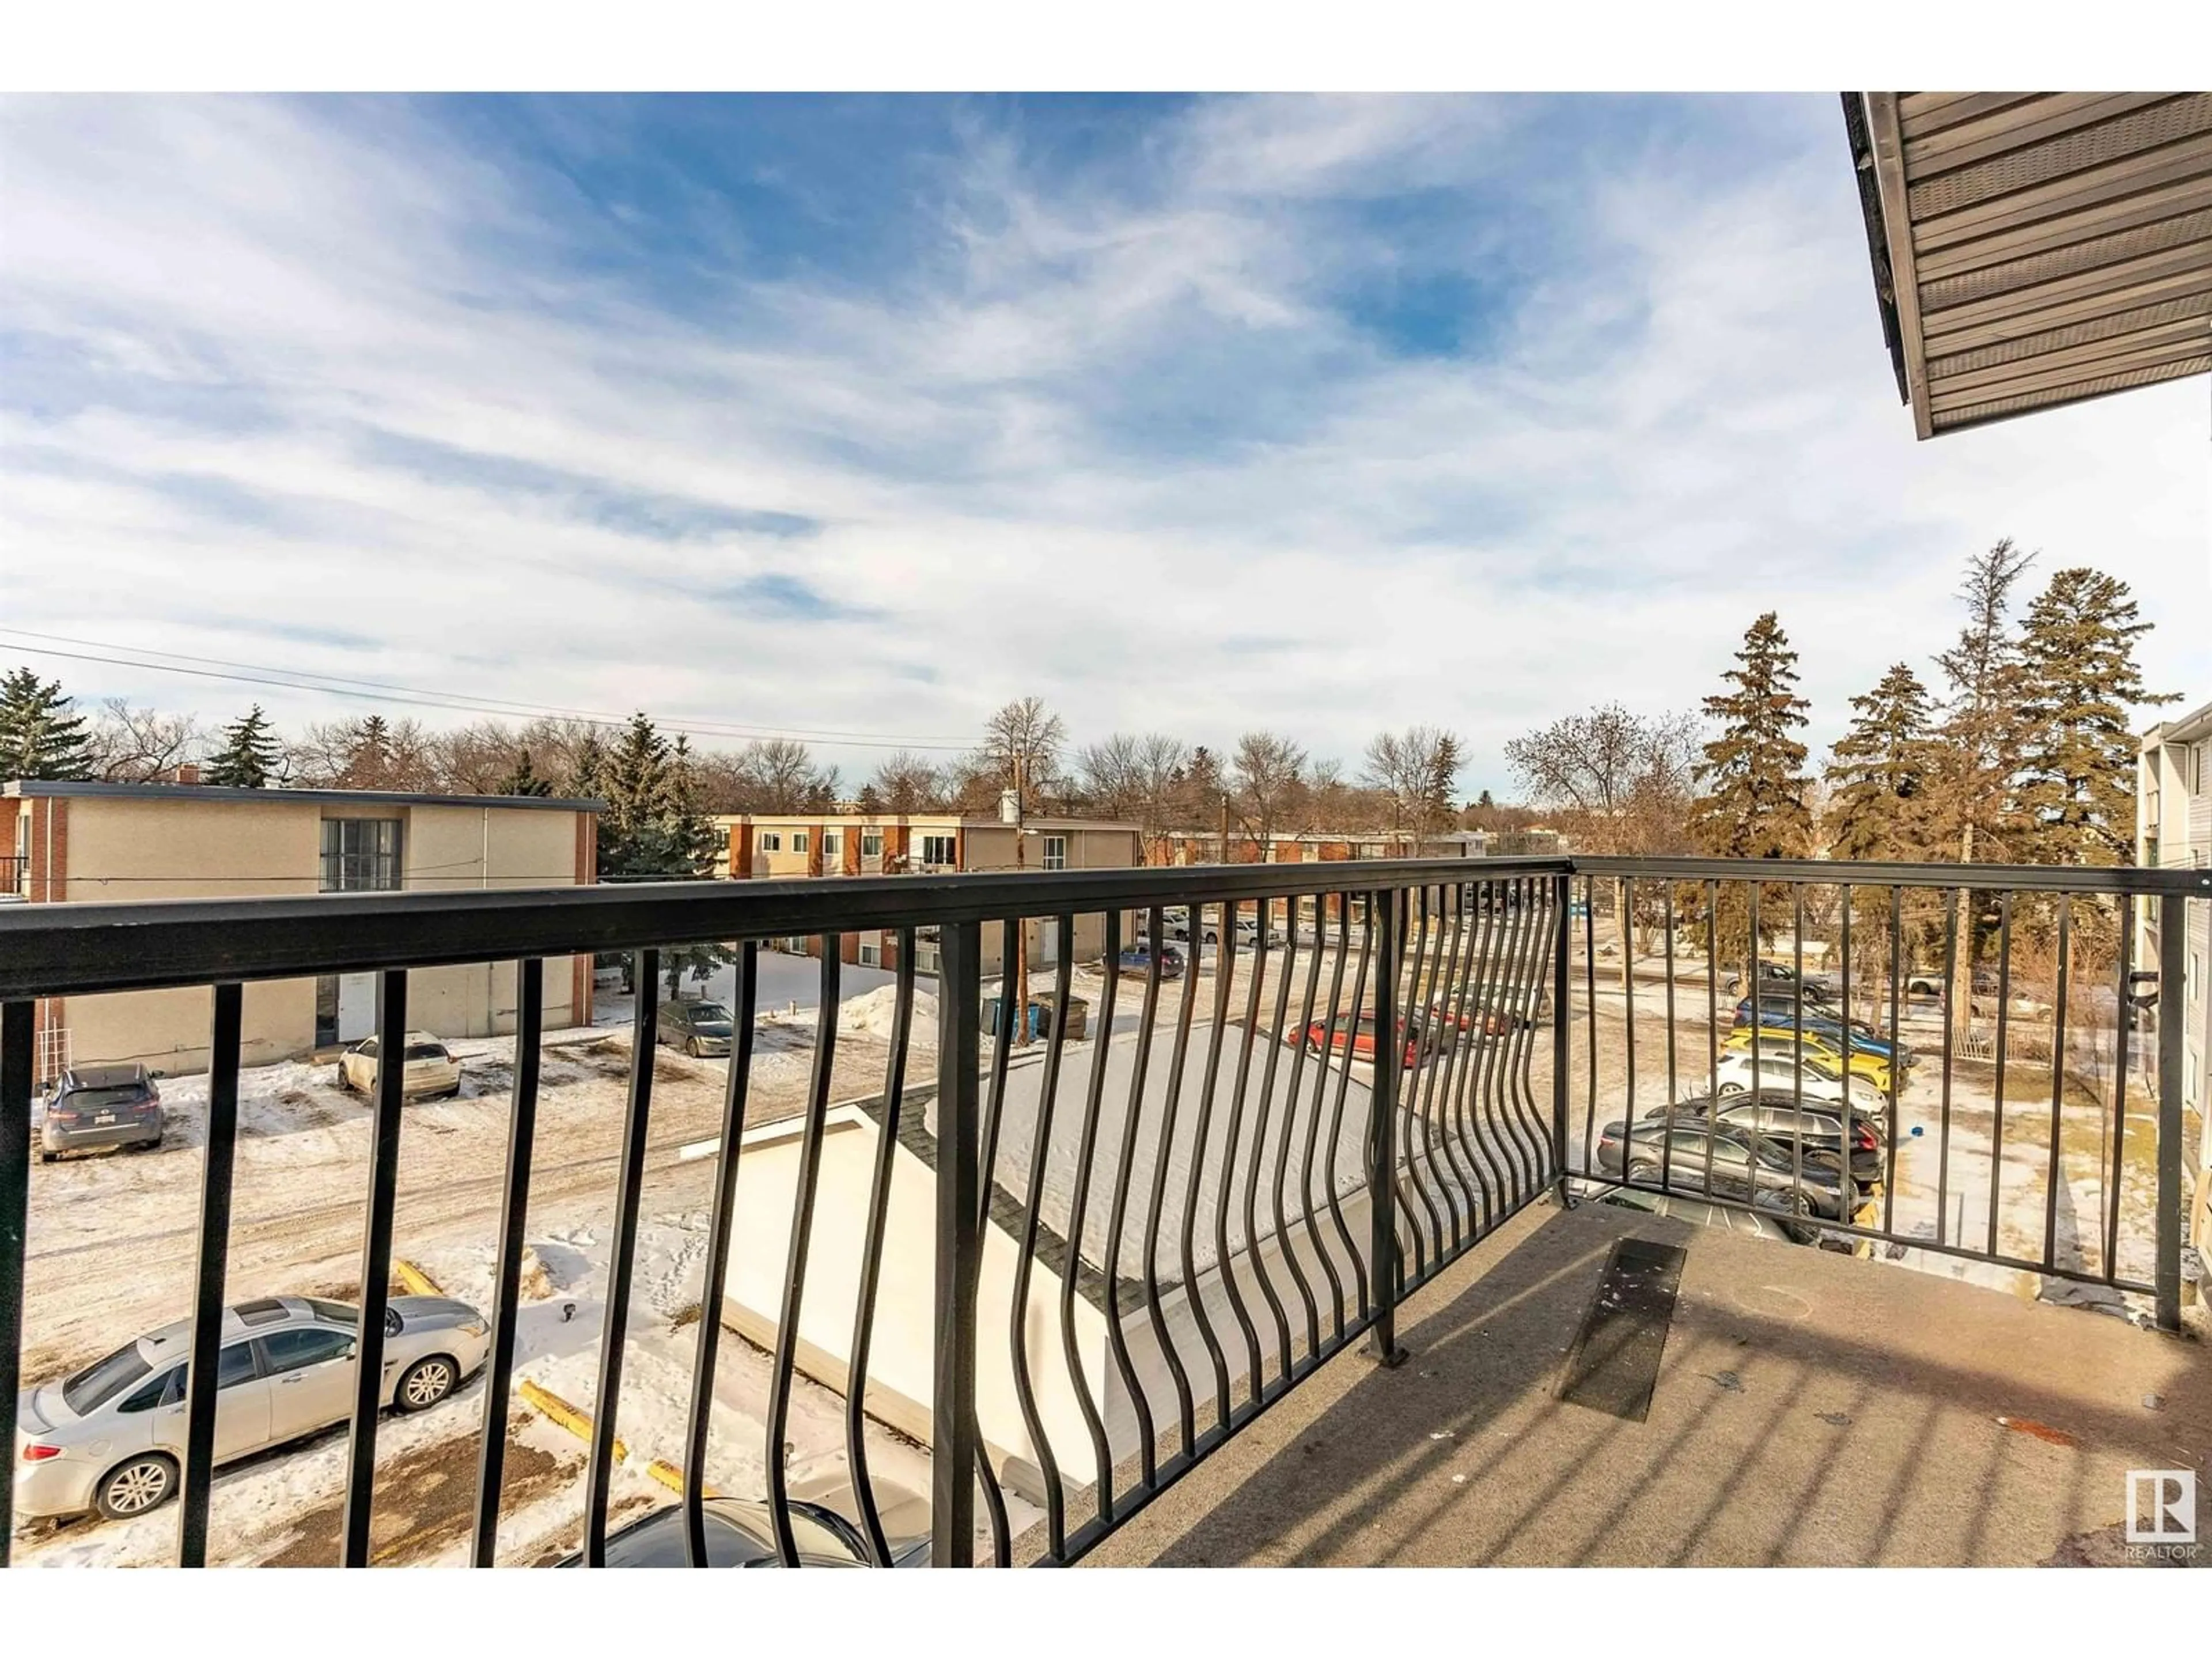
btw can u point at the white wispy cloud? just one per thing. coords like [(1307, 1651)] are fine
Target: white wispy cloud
[(1119, 434)]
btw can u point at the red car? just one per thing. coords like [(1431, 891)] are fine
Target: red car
[(1357, 1039)]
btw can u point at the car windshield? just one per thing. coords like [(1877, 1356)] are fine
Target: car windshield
[(426, 1051), (122, 1094), (100, 1381)]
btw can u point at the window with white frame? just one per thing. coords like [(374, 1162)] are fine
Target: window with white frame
[(833, 843), (361, 855), (771, 841), (1056, 852), (941, 849), (872, 950), (799, 841), (871, 843)]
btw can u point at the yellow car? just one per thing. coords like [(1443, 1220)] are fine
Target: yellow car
[(1776, 1039)]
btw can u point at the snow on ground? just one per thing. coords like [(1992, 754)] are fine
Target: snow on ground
[(110, 1255)]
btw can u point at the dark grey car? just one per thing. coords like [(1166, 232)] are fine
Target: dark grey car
[(740, 1533), (100, 1106), (1774, 1116), (1742, 1166), (699, 1028)]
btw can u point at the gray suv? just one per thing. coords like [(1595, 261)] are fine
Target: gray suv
[(100, 1106)]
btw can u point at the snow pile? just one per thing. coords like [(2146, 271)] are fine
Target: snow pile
[(875, 1014)]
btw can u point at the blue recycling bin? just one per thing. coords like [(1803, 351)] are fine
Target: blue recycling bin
[(994, 1022)]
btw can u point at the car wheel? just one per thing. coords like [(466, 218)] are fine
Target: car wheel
[(153, 1145), (1646, 1172), (145, 1483), (425, 1383), (48, 1157), (691, 1047), (1800, 1204)]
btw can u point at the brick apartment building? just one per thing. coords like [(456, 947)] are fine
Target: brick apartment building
[(757, 847)]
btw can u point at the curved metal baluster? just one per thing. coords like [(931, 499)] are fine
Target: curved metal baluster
[(1225, 1197), (1313, 1129), (1223, 971), (1116, 1338), (795, 1253), (1055, 1501), (1487, 976), (1452, 1021), (1162, 1156), (1094, 1421), (871, 1250), (1260, 1138), (1344, 1082), (1290, 1122), (713, 1281)]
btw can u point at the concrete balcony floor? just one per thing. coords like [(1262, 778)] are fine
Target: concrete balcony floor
[(1811, 1409)]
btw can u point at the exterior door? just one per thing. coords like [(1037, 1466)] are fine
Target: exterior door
[(241, 1405), (310, 1380), (356, 1006)]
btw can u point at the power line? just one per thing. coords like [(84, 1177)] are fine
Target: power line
[(335, 685)]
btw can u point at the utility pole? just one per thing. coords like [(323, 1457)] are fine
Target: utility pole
[(1225, 827)]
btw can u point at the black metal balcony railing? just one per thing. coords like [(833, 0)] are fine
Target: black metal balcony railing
[(1185, 1214)]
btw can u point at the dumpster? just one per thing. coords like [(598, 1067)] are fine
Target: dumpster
[(1078, 1017)]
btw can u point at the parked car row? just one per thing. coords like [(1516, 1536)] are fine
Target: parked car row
[(1696, 1155), (110, 1439)]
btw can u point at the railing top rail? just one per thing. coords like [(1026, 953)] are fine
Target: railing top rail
[(77, 949), (2019, 877), (83, 949)]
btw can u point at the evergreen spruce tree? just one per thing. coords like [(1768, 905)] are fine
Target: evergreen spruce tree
[(368, 762), (1878, 773), (587, 775), (1978, 739), (523, 779), (655, 828), (2073, 801), (1754, 806), (1443, 765), (40, 735), (250, 758)]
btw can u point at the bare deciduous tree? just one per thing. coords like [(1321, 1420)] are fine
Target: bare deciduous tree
[(1024, 739), (1624, 781), (1413, 773), (906, 783), (1267, 780), (134, 745)]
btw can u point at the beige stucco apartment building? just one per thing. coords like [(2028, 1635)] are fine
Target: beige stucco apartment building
[(77, 843), (2173, 832), (759, 846)]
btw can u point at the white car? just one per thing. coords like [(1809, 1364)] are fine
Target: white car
[(427, 1068), (1784, 1072), (110, 1439)]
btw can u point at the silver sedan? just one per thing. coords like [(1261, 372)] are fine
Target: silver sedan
[(111, 1438)]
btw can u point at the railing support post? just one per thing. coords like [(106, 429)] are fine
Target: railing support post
[(953, 1437), (1565, 886), (2173, 1016), (1381, 1133)]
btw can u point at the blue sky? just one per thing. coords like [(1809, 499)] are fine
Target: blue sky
[(864, 414)]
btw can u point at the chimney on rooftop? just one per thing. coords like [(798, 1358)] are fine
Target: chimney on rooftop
[(186, 774)]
